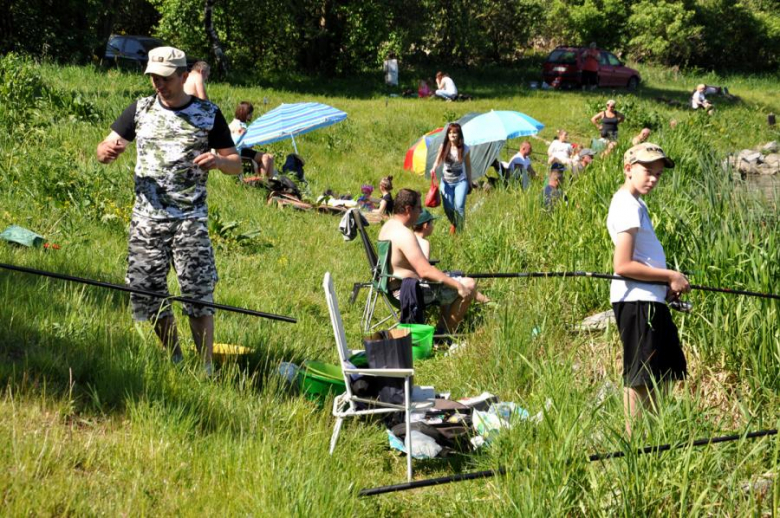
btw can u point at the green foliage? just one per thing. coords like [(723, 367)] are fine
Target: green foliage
[(341, 38), (663, 31), (28, 101)]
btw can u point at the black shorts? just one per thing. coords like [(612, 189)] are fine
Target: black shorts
[(248, 152), (651, 345)]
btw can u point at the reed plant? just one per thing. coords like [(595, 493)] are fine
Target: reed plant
[(95, 420)]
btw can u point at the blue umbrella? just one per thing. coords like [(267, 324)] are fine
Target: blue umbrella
[(499, 125), (288, 120)]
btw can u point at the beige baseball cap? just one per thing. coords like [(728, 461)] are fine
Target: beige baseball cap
[(163, 61), (645, 153)]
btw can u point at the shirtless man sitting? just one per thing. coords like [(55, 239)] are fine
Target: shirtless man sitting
[(407, 260)]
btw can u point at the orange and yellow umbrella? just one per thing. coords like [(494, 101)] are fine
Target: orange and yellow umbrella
[(416, 159)]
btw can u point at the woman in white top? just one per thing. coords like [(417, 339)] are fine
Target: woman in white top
[(238, 126), (446, 86), (560, 151), (454, 157)]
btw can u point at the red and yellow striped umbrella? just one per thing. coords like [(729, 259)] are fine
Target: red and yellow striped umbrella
[(417, 156)]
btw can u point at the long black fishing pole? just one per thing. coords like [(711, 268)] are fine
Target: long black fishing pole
[(597, 275), (119, 287), (592, 458)]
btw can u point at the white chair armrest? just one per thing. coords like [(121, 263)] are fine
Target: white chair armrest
[(390, 373)]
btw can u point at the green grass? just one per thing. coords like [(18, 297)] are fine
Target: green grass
[(94, 420)]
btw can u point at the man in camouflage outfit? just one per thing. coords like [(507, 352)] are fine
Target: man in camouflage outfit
[(179, 138)]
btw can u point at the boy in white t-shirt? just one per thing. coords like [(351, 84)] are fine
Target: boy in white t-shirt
[(652, 354)]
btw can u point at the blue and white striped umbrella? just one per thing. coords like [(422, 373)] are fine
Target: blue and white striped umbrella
[(288, 120)]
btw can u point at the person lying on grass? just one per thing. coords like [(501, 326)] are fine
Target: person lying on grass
[(423, 229), (408, 261), (652, 355)]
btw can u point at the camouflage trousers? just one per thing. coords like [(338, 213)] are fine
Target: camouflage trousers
[(156, 245)]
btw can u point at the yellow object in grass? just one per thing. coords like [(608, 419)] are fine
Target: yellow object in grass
[(230, 350)]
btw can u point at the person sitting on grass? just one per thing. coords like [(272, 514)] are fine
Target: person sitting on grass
[(560, 149), (642, 136), (698, 101), (445, 87), (386, 204), (552, 191), (423, 228), (583, 160), (408, 261), (424, 88), (652, 354), (519, 166), (238, 126)]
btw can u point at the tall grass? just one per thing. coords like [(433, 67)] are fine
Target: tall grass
[(95, 419)]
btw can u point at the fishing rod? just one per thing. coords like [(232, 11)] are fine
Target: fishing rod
[(119, 287), (597, 275), (598, 457)]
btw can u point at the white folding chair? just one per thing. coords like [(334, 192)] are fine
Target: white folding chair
[(348, 404)]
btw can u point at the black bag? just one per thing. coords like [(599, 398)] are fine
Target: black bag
[(294, 164), (390, 350)]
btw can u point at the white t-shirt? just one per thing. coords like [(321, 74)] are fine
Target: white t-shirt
[(235, 129), (560, 150), (519, 161), (698, 100), (625, 213), (391, 72), (448, 85)]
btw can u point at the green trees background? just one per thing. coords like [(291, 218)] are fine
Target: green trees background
[(341, 36)]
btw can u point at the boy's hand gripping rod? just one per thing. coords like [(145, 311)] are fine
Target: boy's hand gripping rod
[(119, 287)]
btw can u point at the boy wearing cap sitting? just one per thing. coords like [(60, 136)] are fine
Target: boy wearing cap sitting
[(422, 230), (583, 160), (652, 354), (180, 138)]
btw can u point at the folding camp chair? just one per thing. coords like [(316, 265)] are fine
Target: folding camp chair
[(377, 288), (350, 405), (250, 172)]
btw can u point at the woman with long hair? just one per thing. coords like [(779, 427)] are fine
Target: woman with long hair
[(453, 155), (238, 126)]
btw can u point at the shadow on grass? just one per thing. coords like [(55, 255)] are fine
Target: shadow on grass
[(101, 368)]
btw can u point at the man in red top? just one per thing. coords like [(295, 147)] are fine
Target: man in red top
[(590, 67)]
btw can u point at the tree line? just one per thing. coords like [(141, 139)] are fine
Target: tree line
[(343, 36)]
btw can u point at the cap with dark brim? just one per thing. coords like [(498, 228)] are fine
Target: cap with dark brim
[(645, 153), (425, 217)]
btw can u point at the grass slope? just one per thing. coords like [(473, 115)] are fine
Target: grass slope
[(94, 420)]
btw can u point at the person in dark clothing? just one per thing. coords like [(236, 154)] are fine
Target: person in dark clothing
[(386, 188), (607, 121)]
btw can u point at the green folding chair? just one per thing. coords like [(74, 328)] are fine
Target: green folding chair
[(379, 288)]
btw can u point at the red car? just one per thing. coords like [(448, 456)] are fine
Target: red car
[(563, 69)]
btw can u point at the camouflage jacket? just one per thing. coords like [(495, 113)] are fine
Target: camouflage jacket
[(167, 183)]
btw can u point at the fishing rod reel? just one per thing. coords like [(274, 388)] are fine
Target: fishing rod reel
[(681, 305)]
